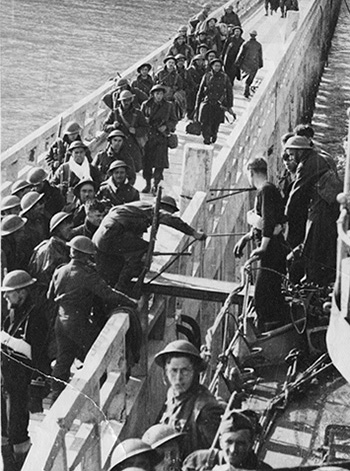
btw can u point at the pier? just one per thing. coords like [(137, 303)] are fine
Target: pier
[(89, 418)]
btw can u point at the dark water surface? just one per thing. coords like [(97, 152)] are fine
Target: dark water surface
[(55, 52)]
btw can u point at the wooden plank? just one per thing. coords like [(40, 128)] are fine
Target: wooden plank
[(112, 396), (184, 286)]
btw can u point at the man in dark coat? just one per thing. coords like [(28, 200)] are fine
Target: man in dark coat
[(321, 234), (230, 51), (119, 241), (250, 60), (53, 199), (23, 347), (267, 221), (132, 123), (77, 168), (117, 190), (73, 288), (171, 80), (179, 46), (161, 117), (14, 246), (121, 84), (214, 97), (230, 17), (84, 190), (116, 150), (143, 81), (59, 150), (196, 72), (95, 212), (37, 226)]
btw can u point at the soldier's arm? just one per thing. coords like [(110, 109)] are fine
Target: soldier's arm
[(208, 422), (177, 223), (111, 296), (108, 124)]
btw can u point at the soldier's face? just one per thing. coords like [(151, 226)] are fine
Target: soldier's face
[(236, 446), (180, 373), (119, 175), (170, 65), (73, 137), (78, 155), (116, 143), (14, 298), (237, 32), (95, 217), (66, 230), (211, 56), (158, 96), (87, 192), (216, 66), (144, 71)]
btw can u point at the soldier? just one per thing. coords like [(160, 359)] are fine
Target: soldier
[(116, 189), (33, 209), (116, 150), (237, 437), (119, 241), (196, 72), (214, 34), (73, 287), (20, 188), (213, 98), (83, 191), (23, 347), (143, 81), (10, 205), (250, 60), (59, 152), (188, 83), (190, 407), (197, 20), (179, 46), (168, 442), (133, 453), (13, 244), (126, 118), (122, 84), (230, 52), (230, 17), (171, 80), (77, 168), (53, 199), (267, 220), (162, 120), (95, 211)]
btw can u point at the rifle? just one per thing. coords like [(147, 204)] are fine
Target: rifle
[(154, 229)]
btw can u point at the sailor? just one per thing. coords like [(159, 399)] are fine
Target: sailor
[(267, 221), (133, 453), (250, 60), (143, 81), (319, 245), (190, 407), (13, 244), (59, 151), (196, 72), (73, 287), (168, 442), (179, 46), (162, 119), (20, 188), (119, 241), (10, 205), (37, 226), (115, 150), (77, 168), (230, 51), (53, 199), (126, 118), (117, 190), (213, 98), (23, 349), (122, 84), (236, 440), (95, 211), (230, 17)]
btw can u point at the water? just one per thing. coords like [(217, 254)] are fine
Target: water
[(55, 52)]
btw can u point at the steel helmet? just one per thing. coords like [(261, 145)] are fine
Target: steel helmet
[(168, 58), (132, 447), (182, 28), (30, 200), (117, 164), (228, 8), (83, 182), (11, 224), (180, 347), (197, 57), (169, 201), (57, 219), (259, 163), (253, 33), (121, 82), (297, 142), (72, 128), (9, 202), (36, 175), (125, 95), (158, 88), (17, 279), (82, 244), (18, 186), (145, 64), (159, 434), (77, 145), (116, 133), (180, 56)]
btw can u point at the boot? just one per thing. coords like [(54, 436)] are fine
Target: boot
[(246, 92), (147, 188), (20, 452), (8, 458)]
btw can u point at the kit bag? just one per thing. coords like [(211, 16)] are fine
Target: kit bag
[(172, 141), (194, 128)]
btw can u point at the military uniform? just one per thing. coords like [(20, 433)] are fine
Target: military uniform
[(111, 98), (59, 154), (124, 193), (73, 288), (53, 199), (64, 175), (104, 159), (143, 84), (230, 18), (172, 81), (229, 54), (184, 49), (86, 229), (250, 60), (214, 95)]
